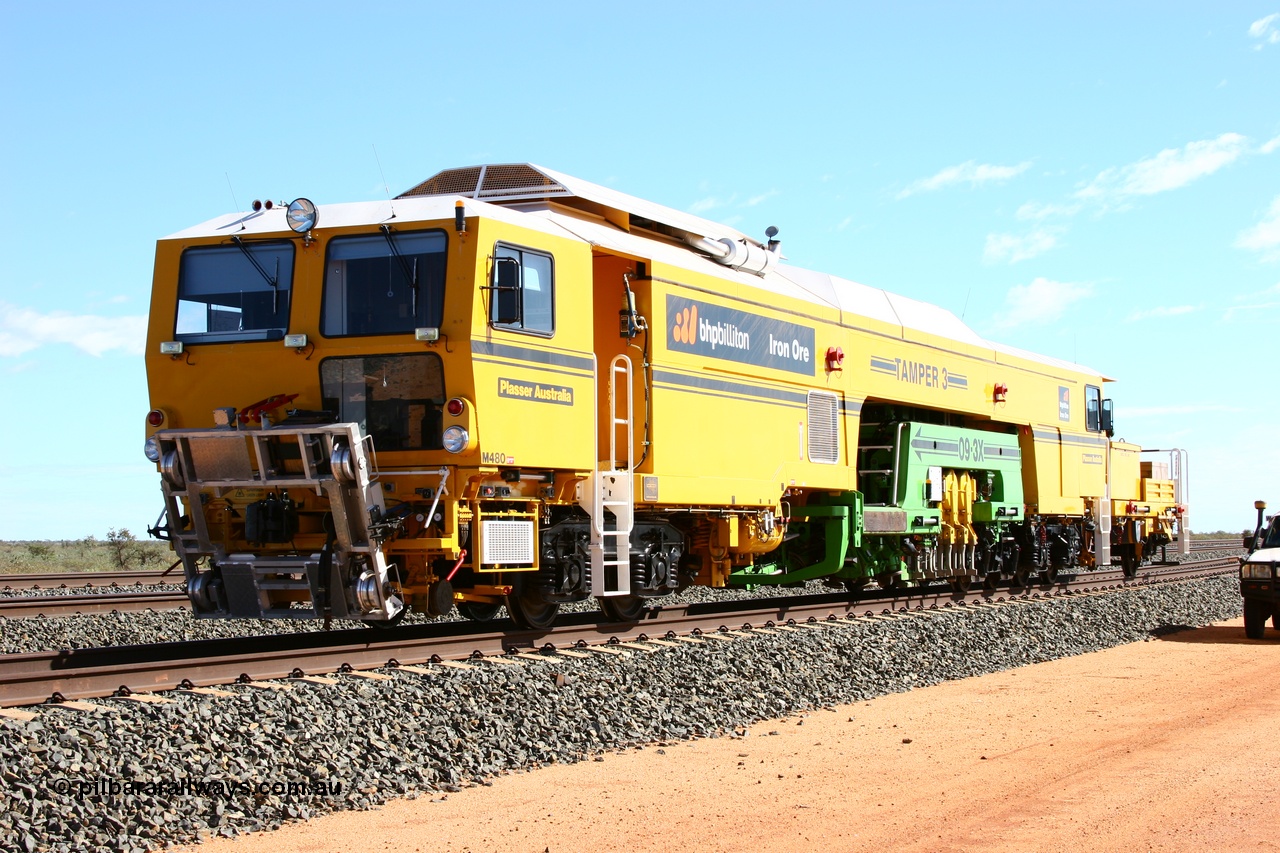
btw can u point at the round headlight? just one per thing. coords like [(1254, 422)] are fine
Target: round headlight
[(152, 448), (301, 215), (456, 439)]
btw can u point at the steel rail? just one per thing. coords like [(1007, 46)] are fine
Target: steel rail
[(1235, 544), (124, 601), (27, 679), (66, 580)]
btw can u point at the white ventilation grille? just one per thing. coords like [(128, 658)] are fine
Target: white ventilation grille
[(507, 542), (492, 183), (824, 427)]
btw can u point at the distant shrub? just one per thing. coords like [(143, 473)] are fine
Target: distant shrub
[(120, 550), (122, 546)]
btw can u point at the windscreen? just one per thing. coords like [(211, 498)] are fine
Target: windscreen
[(397, 399), (381, 284), (234, 293)]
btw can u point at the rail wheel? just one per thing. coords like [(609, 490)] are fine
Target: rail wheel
[(889, 580), (1129, 565), (1255, 618), (960, 584), (855, 584), (477, 612), (528, 607), (622, 608), (1049, 575), (991, 581), (384, 624), (1275, 618), (393, 588), (1021, 576)]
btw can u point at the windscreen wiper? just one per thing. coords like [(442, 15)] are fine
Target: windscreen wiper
[(269, 279), (411, 277)]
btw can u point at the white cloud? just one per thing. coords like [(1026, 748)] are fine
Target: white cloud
[(1270, 145), (702, 205), (715, 202), (1037, 211), (971, 173), (23, 330), (1171, 169), (1252, 303), (1265, 236), (1014, 248), (1165, 411), (1162, 311), (1041, 301), (1266, 293), (1265, 30), (20, 367)]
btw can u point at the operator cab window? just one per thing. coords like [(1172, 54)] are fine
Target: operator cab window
[(234, 293), (383, 284), (1093, 408), (522, 291)]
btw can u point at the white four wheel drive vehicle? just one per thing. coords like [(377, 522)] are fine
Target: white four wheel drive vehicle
[(1260, 576)]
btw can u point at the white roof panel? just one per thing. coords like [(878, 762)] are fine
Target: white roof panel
[(402, 210), (535, 189)]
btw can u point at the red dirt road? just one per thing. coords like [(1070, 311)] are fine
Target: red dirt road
[(1167, 745)]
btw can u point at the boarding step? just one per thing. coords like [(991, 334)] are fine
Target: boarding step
[(271, 587)]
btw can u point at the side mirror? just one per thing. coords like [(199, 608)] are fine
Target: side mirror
[(505, 286), (1108, 418)]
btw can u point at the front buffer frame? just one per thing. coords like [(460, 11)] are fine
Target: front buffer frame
[(347, 578)]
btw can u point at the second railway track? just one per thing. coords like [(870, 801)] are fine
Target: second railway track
[(124, 601), (77, 580)]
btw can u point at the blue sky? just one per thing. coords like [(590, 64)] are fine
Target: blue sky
[(1093, 181)]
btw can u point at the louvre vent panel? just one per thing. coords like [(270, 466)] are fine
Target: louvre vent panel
[(491, 183), (509, 542), (824, 427), (451, 182)]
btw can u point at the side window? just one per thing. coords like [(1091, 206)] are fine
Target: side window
[(522, 290), (1092, 408)]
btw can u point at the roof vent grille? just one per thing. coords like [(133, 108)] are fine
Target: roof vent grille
[(517, 181)]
